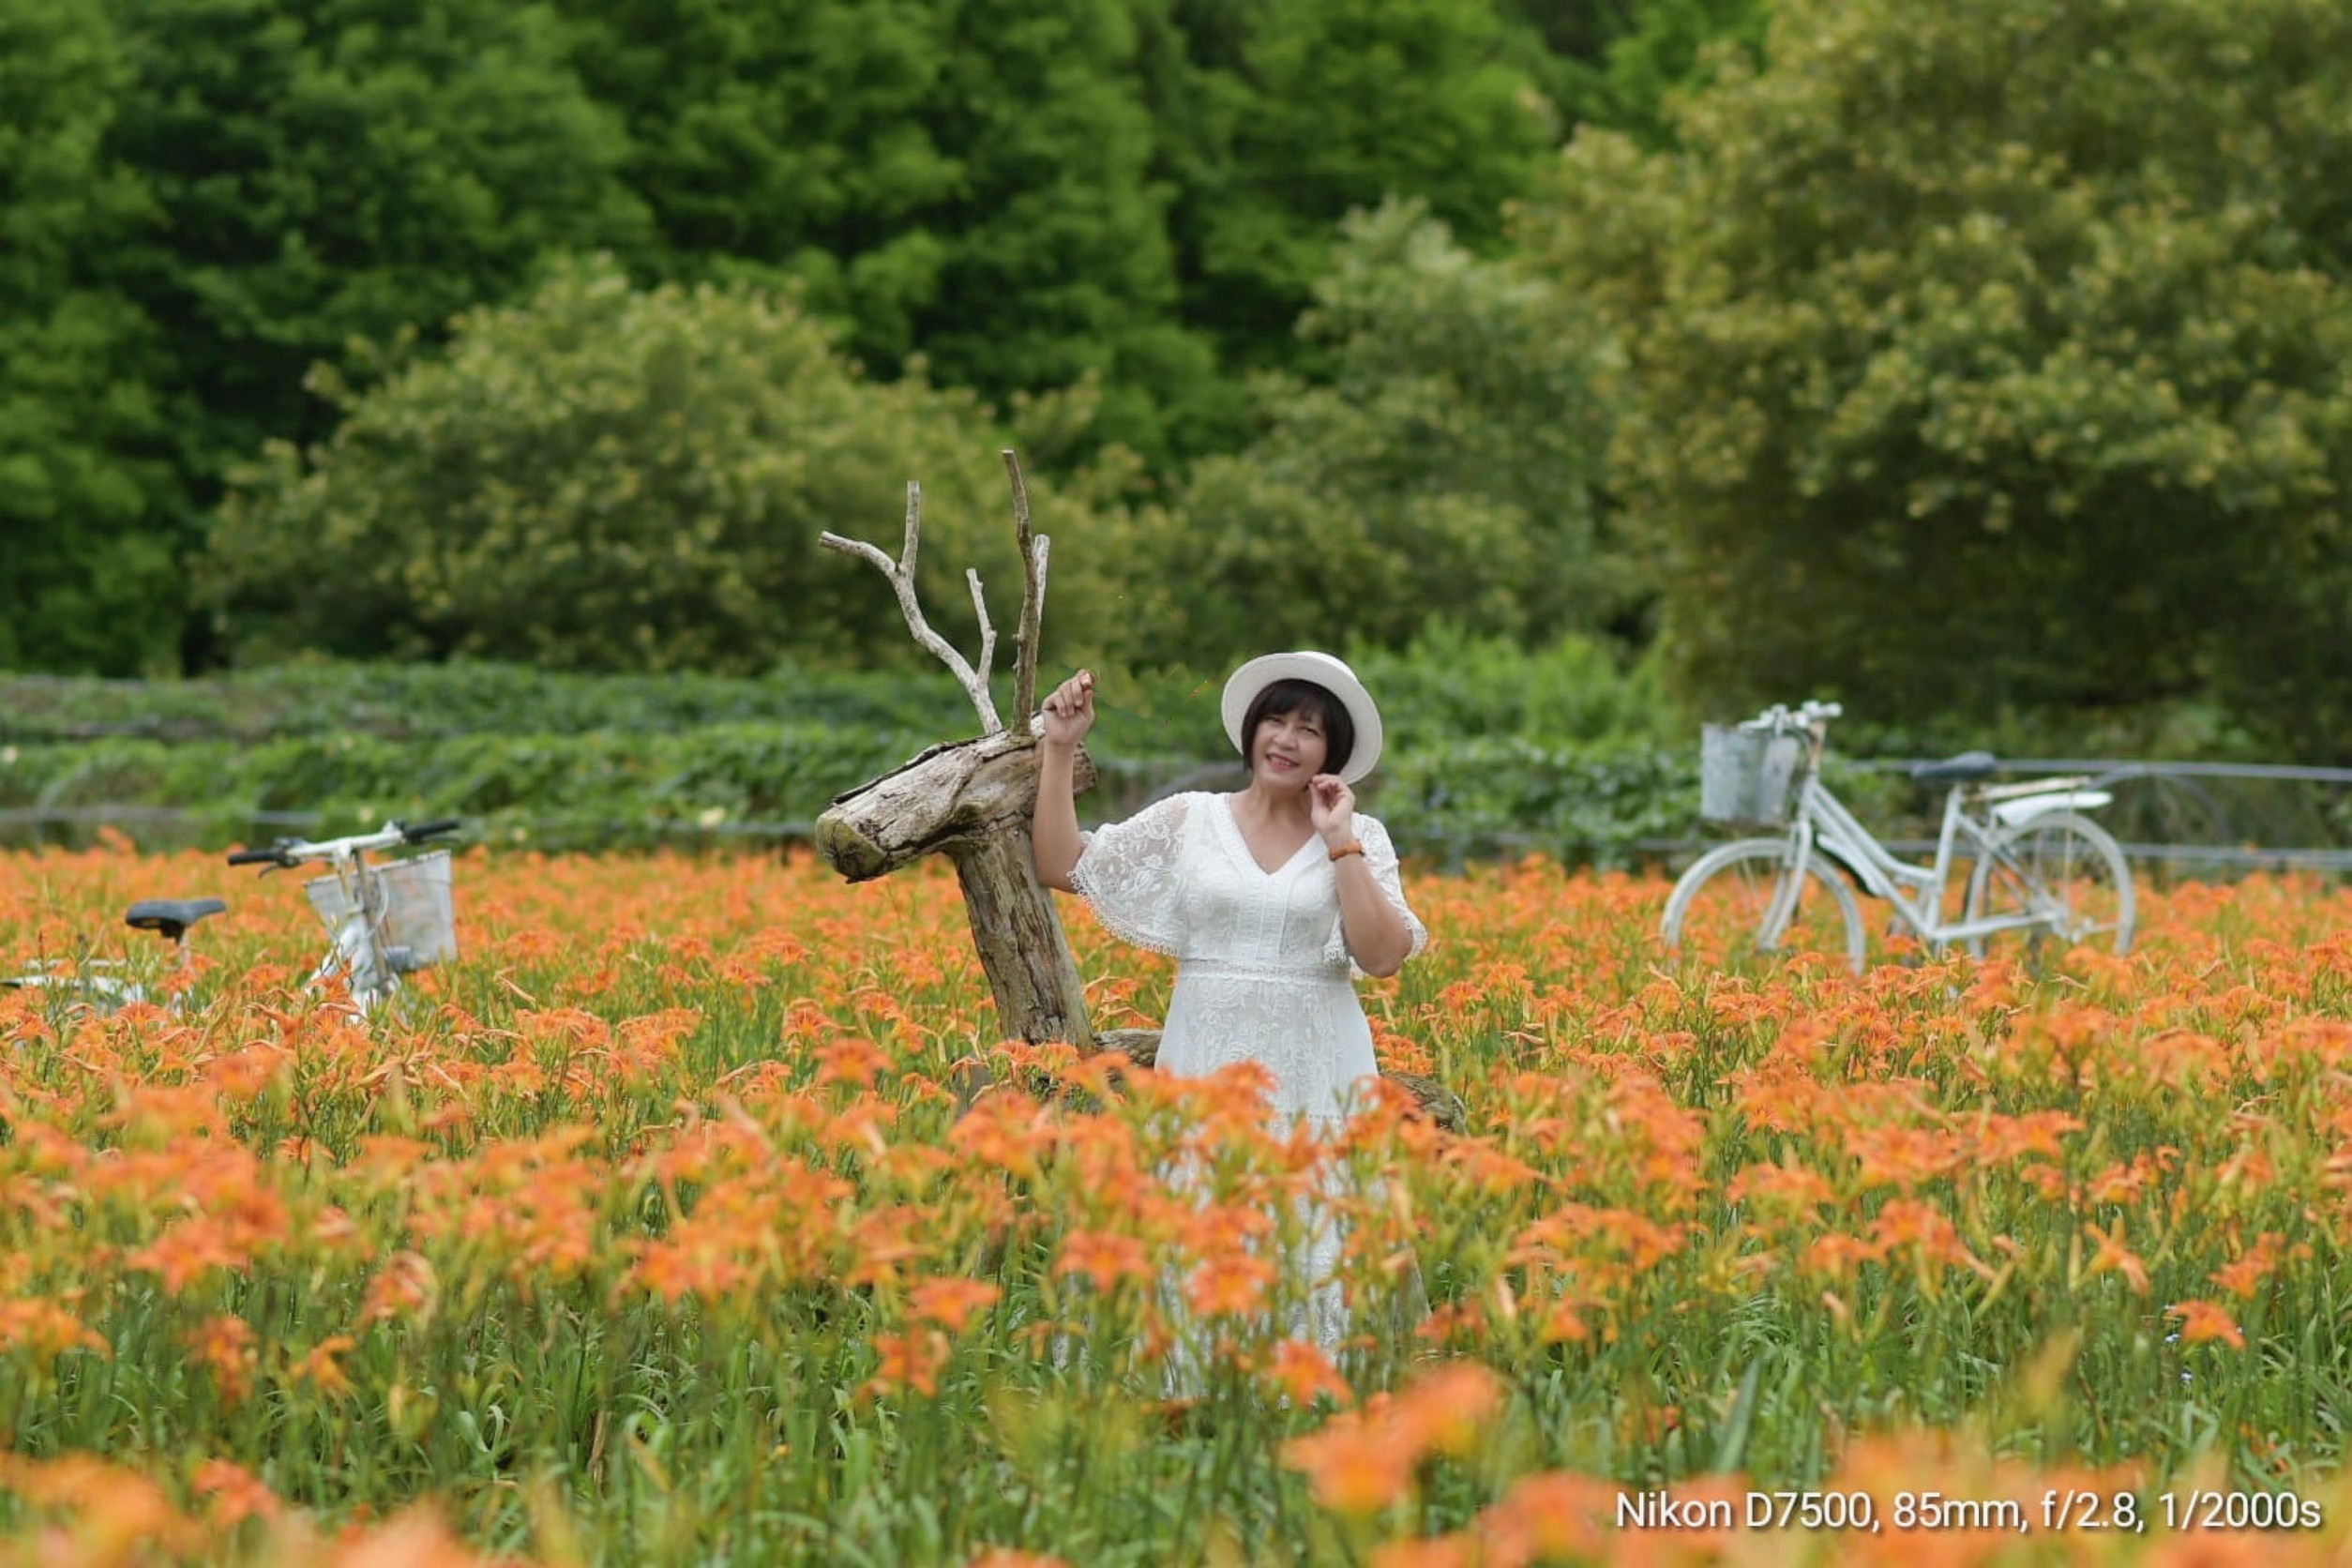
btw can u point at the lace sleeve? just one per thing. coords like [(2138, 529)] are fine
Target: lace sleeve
[(1381, 855), (1128, 874)]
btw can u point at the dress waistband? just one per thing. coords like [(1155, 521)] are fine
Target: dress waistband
[(1296, 973)]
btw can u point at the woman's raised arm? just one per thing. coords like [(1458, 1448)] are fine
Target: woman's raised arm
[(1053, 830)]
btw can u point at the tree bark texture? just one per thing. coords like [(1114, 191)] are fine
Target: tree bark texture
[(962, 790), (1030, 972), (972, 801)]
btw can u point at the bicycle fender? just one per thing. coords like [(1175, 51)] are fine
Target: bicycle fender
[(2016, 813)]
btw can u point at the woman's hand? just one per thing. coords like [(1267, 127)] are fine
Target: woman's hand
[(1333, 807), (1069, 710)]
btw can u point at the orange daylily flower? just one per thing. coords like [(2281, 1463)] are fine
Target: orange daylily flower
[(951, 1303), (233, 1493), (2203, 1321), (225, 1346), (1304, 1373), (1232, 1282), (322, 1366), (911, 1357), (2113, 1254), (724, 1107), (1351, 1468)]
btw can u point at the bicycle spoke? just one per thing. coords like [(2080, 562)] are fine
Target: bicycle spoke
[(2064, 882), (1741, 909)]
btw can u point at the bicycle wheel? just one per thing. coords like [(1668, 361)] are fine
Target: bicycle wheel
[(2064, 868), (1718, 909)]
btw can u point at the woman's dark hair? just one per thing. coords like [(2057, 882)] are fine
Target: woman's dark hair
[(1319, 704)]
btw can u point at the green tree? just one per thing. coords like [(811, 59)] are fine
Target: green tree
[(966, 181), (1278, 119), (1612, 63), (1446, 470), (327, 170), (87, 491), (607, 478), (1989, 357), (1026, 194)]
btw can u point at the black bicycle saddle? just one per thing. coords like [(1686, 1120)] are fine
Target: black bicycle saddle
[(171, 917)]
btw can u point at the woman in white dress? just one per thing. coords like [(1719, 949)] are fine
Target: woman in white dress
[(1271, 900)]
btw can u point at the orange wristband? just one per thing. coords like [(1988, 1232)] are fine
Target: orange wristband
[(1350, 847)]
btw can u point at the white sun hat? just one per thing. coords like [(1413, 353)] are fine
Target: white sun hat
[(1243, 686)]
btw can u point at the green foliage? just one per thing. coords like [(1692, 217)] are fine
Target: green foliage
[(1492, 748), (1991, 359), (1447, 470), (199, 199), (421, 701), (86, 490), (1448, 684), (1613, 63), (606, 788), (1278, 119), (327, 170), (203, 199), (1026, 195), (604, 478), (1512, 796), (968, 180)]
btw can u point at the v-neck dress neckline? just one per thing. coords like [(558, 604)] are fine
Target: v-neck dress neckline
[(1234, 820)]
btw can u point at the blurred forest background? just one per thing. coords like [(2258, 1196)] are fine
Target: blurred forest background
[(1980, 363)]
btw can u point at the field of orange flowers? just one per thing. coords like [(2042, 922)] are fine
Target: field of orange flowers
[(651, 1231)]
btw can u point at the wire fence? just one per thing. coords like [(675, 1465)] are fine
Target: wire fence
[(2175, 820), (2240, 816)]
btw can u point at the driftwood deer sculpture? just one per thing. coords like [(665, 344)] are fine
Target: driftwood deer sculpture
[(972, 800)]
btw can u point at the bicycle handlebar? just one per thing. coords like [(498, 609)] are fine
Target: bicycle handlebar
[(293, 852), (1806, 715)]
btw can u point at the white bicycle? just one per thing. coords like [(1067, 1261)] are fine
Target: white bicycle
[(2039, 870), (110, 984), (385, 920)]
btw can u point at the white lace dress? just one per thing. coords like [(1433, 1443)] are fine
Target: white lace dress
[(1262, 971)]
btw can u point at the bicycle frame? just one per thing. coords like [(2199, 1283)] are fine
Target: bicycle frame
[(1916, 893), (358, 948), (107, 985), (85, 981)]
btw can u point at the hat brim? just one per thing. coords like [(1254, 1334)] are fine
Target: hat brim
[(1243, 686)]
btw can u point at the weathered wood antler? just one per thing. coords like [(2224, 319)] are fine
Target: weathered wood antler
[(901, 575), (1032, 592)]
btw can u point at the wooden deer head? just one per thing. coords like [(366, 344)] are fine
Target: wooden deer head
[(972, 800)]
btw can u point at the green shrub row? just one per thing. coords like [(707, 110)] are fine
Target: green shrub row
[(1447, 684), (1474, 799), (595, 790), (432, 701), (1492, 749)]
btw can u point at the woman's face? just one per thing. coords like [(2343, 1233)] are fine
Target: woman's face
[(1287, 749)]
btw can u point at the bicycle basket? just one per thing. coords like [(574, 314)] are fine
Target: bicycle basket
[(1746, 777), (419, 908)]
